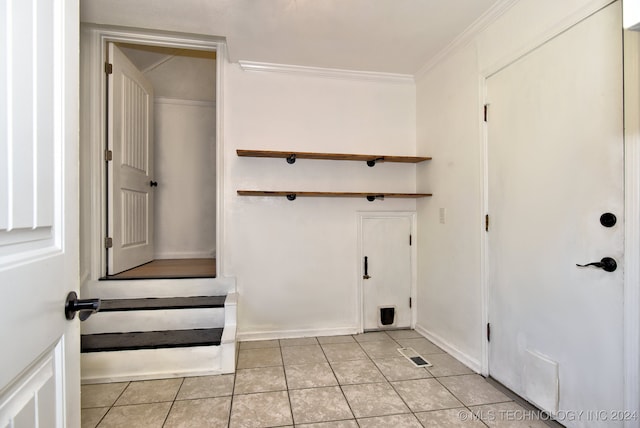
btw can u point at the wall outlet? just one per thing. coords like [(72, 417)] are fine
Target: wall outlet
[(443, 215)]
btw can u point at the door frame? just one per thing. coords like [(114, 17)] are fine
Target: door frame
[(361, 217), (93, 84), (631, 281)]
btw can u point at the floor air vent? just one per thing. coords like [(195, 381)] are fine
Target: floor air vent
[(417, 359)]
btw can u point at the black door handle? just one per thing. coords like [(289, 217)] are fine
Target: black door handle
[(85, 307), (366, 268), (607, 263), (153, 183)]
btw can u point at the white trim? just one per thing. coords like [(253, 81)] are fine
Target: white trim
[(464, 38), (484, 240), (221, 226), (631, 311), (294, 334), (184, 102), (185, 254), (94, 40), (412, 216), (464, 358), (332, 73)]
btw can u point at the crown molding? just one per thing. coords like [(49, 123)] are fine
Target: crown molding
[(487, 18), (331, 73)]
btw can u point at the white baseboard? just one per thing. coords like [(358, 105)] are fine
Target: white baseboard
[(464, 358), (247, 336), (185, 255)]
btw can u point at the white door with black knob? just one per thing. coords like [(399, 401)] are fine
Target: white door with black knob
[(131, 183), (40, 362), (555, 199)]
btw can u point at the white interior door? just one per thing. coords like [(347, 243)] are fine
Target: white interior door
[(386, 270), (555, 146), (130, 193), (39, 365)]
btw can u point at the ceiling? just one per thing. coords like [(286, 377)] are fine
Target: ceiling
[(392, 36)]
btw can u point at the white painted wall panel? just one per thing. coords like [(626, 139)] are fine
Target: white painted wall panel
[(4, 122), (21, 105), (26, 125), (134, 125), (44, 129), (185, 163), (449, 275)]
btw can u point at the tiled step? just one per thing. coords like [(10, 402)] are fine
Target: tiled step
[(150, 340)]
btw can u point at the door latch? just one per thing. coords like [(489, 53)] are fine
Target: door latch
[(606, 263), (366, 268)]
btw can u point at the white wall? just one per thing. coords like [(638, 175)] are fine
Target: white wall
[(185, 154), (296, 262), (449, 113), (185, 162)]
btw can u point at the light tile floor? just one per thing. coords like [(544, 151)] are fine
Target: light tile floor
[(324, 382)]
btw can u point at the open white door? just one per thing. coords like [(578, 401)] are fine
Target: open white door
[(39, 366), (555, 162), (130, 180), (386, 272)]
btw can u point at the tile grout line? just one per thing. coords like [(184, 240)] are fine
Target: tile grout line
[(233, 387), (338, 382), (286, 383), (113, 404), (173, 403)]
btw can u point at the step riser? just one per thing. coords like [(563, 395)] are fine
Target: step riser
[(133, 289), (99, 367), (154, 320)]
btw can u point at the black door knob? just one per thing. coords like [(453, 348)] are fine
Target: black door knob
[(606, 263), (153, 183), (85, 307)]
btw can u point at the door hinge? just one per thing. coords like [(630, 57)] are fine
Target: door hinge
[(410, 302), (488, 332), (486, 223), (486, 112), (108, 155), (108, 68), (410, 239), (108, 242)]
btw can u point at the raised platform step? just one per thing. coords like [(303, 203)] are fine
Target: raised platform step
[(162, 336), (106, 342), (141, 289), (110, 305)]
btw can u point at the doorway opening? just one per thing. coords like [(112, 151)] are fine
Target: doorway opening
[(161, 125)]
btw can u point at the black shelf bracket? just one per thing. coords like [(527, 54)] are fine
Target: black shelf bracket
[(372, 198), (373, 162), (291, 159), (291, 196)]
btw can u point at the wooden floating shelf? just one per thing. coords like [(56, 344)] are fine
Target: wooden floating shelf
[(291, 157), (292, 195)]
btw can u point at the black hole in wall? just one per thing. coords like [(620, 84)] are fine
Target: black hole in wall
[(387, 315)]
